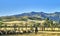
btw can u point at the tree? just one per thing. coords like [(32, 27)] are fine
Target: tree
[(45, 24), (21, 24), (5, 28), (15, 27), (26, 25), (47, 19), (1, 23), (51, 24), (31, 26), (36, 27), (48, 23)]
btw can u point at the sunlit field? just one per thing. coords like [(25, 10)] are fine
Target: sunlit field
[(39, 34)]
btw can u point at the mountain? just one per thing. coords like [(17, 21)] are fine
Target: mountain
[(35, 15), (53, 16)]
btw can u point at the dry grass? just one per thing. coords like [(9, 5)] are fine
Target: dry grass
[(43, 34)]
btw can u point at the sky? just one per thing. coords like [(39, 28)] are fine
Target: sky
[(13, 7)]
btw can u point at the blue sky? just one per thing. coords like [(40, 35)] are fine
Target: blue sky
[(11, 7)]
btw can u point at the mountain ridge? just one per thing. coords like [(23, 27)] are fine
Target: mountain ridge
[(52, 16)]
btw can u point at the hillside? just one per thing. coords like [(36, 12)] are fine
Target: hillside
[(32, 16)]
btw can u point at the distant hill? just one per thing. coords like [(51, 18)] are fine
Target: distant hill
[(52, 16), (33, 16)]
